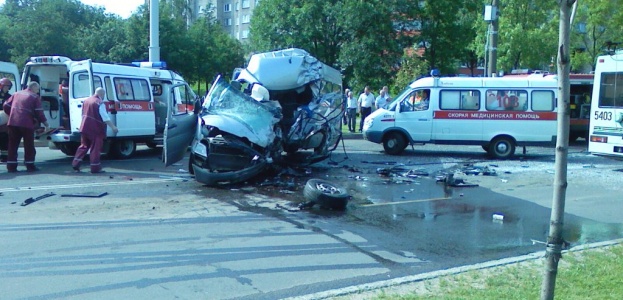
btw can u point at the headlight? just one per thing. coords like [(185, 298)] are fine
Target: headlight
[(368, 123), (200, 149)]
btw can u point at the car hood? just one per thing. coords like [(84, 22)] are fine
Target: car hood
[(232, 111)]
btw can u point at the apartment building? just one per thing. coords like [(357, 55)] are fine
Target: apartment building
[(233, 15)]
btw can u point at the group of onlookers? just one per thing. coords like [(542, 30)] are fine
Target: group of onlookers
[(363, 105)]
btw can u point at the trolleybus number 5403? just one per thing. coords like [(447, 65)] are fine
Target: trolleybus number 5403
[(603, 115)]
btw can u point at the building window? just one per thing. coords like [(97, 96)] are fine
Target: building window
[(237, 21), (245, 34), (227, 7), (236, 5), (246, 3), (246, 19), (227, 22)]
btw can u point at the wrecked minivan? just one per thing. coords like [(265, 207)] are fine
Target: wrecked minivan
[(296, 120)]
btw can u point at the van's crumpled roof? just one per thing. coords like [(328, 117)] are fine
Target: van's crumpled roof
[(286, 69)]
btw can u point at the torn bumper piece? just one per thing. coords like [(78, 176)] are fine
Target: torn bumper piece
[(227, 161)]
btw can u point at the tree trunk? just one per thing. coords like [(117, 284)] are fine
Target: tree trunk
[(553, 251)]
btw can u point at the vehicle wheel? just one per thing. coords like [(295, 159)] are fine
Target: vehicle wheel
[(326, 194), (394, 143), (123, 148), (68, 148), (191, 159), (502, 147)]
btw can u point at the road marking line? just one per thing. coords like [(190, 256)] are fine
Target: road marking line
[(404, 202), (82, 185)]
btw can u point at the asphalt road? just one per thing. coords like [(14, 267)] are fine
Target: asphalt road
[(157, 234)]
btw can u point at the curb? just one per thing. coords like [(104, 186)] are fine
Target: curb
[(367, 287), (352, 136)]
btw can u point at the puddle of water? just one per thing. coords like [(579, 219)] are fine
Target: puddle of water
[(426, 216)]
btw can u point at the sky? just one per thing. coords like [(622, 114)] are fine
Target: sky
[(123, 8)]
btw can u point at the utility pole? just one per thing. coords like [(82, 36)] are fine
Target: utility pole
[(493, 40), (553, 251)]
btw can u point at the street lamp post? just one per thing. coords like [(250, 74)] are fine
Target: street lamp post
[(491, 15), (154, 33)]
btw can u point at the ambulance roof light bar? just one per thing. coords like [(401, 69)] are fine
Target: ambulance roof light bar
[(150, 64), (49, 59)]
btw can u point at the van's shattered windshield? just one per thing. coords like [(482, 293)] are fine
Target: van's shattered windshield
[(225, 101)]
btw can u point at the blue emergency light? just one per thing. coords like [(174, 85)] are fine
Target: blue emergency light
[(151, 64)]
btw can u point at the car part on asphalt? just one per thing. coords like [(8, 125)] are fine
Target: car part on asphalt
[(33, 200), (326, 194), (86, 195)]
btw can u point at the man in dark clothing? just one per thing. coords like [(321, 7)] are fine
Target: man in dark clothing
[(5, 86), (93, 131), (25, 113)]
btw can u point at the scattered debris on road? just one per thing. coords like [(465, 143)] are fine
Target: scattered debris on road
[(86, 195), (449, 180), (33, 200)]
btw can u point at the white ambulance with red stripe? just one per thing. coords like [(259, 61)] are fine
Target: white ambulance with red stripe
[(497, 113), (145, 101)]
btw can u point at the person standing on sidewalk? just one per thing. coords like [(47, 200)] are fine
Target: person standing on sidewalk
[(93, 131), (351, 111), (25, 113), (382, 100), (365, 102), (5, 86), (345, 107)]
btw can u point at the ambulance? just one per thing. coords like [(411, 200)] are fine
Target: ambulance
[(146, 102), (497, 113)]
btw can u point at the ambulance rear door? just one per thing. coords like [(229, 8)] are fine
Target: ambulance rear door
[(81, 86), (181, 123), (9, 70)]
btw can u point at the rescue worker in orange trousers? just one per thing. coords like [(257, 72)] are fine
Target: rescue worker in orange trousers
[(5, 86), (93, 131), (25, 114)]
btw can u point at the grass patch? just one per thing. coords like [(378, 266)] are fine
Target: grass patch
[(589, 274)]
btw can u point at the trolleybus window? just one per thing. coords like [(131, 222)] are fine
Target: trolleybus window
[(611, 90)]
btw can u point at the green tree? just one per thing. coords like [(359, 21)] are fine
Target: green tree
[(104, 41), (527, 35), (411, 68), (45, 27), (215, 52), (446, 32), (355, 36), (596, 23)]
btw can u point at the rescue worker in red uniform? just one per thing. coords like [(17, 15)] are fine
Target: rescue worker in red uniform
[(25, 113), (5, 86), (93, 131)]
